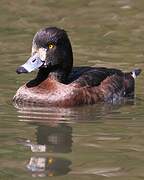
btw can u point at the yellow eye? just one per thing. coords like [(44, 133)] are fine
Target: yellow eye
[(50, 46)]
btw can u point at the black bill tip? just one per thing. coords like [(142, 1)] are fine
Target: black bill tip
[(20, 70)]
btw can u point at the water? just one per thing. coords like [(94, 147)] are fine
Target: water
[(89, 142)]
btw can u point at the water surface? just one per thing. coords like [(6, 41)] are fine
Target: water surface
[(89, 142)]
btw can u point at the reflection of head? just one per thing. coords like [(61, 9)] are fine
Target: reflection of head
[(51, 166), (57, 139)]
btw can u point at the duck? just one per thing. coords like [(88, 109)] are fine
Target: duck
[(58, 83)]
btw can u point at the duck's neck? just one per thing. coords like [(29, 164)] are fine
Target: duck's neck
[(44, 73)]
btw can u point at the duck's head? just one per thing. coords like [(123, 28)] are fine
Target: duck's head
[(51, 52)]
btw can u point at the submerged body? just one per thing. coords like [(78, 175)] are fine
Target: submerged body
[(58, 84)]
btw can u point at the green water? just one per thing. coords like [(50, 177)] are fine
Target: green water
[(85, 143)]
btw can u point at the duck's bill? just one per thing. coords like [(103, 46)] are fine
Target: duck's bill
[(33, 63)]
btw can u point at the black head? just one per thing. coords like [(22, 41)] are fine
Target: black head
[(51, 50)]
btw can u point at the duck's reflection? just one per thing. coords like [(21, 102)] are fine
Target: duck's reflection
[(56, 139), (49, 139), (53, 134), (50, 166)]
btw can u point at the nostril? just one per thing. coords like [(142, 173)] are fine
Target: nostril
[(34, 60), (20, 70)]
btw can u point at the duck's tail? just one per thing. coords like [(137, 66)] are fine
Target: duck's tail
[(135, 73)]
